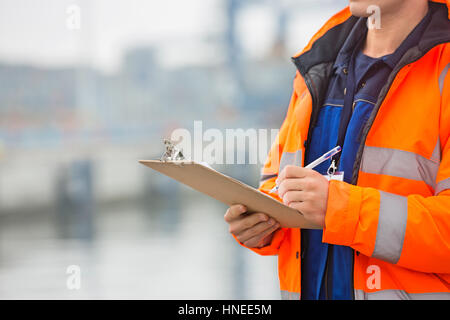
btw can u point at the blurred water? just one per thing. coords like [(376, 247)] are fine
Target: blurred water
[(157, 249)]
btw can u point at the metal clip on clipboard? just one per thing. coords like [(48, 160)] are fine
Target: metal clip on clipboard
[(172, 153)]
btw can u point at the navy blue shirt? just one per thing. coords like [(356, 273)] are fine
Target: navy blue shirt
[(327, 270)]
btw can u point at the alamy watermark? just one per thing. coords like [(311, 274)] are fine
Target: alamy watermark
[(374, 20), (73, 20), (228, 146), (374, 280), (73, 281)]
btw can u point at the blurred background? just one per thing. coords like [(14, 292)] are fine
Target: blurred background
[(89, 87)]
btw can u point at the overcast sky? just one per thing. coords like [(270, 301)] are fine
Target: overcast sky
[(36, 32)]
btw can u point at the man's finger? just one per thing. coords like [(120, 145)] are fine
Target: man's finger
[(255, 241), (290, 185), (238, 226), (252, 220), (234, 212), (292, 172), (256, 229)]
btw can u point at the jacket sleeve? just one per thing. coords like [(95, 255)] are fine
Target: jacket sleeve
[(270, 173), (417, 236)]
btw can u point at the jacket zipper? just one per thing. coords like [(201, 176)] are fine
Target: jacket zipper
[(314, 113), (310, 86)]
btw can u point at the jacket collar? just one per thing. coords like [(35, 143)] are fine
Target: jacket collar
[(327, 48), (359, 31)]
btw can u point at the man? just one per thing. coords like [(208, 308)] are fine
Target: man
[(380, 90)]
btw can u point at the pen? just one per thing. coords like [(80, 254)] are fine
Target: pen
[(316, 162)]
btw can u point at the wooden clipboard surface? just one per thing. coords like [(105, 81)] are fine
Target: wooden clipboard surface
[(229, 191)]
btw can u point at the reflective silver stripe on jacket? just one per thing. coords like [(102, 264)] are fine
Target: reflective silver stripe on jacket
[(290, 158), (402, 164), (442, 78), (265, 177), (287, 295), (287, 158), (391, 229), (400, 295), (442, 185)]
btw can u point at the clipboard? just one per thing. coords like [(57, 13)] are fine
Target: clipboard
[(229, 191)]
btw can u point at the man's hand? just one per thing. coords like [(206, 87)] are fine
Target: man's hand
[(305, 190), (254, 230)]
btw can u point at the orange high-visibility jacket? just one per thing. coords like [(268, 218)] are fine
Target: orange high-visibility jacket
[(396, 213)]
